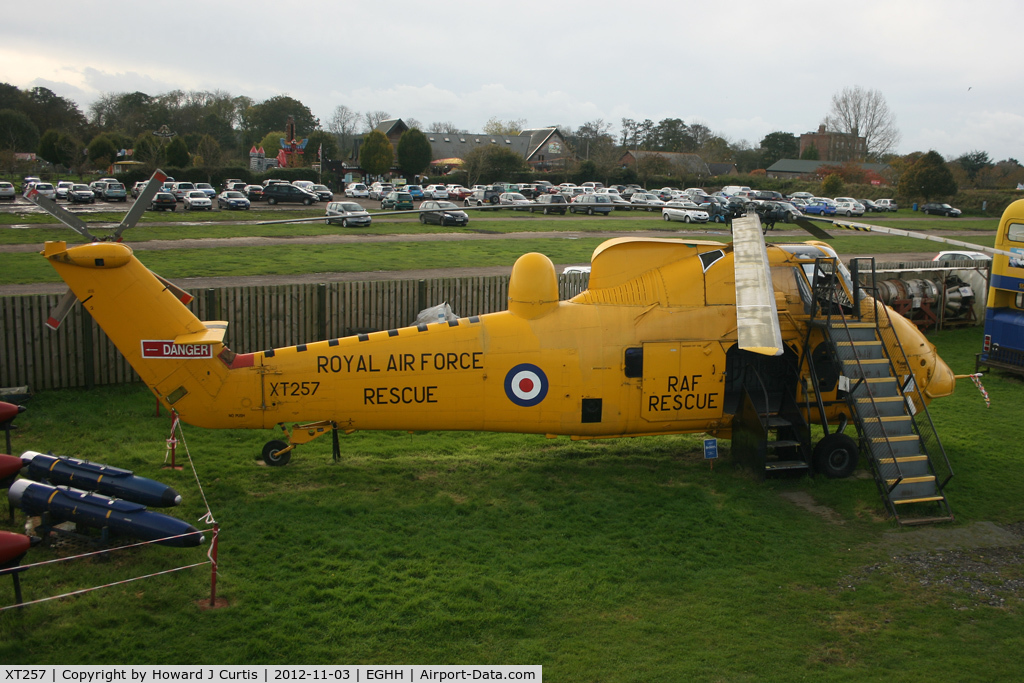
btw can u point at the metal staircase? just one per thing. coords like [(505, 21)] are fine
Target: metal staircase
[(864, 356)]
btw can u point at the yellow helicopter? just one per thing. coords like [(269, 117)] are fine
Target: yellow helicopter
[(747, 341)]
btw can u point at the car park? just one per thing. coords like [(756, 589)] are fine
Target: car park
[(348, 214), (591, 204), (870, 206), (686, 212), (232, 199), (645, 201), (279, 193), (163, 201), (550, 203), (196, 200), (7, 191), (934, 208), (356, 190), (80, 193), (887, 204), (254, 193), (207, 189), (447, 213), (399, 201), (323, 192), (961, 256)]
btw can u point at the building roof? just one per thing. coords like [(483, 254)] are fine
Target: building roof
[(458, 145), (387, 127), (810, 166), (722, 167), (538, 137)]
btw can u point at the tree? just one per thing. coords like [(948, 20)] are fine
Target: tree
[(17, 132), (446, 127), (972, 162), (372, 119), (48, 147), (414, 152), (496, 126), (491, 162), (343, 124), (778, 145), (864, 113), (271, 143), (208, 155), (273, 114), (149, 149), (102, 151), (313, 144), (811, 153), (928, 177), (49, 110), (177, 153), (376, 155), (832, 185)]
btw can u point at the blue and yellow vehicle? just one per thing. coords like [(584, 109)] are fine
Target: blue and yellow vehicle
[(1004, 316)]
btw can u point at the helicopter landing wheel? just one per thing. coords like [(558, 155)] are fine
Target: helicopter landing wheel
[(273, 456)]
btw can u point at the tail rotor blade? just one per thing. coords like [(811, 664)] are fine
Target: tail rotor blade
[(179, 293), (61, 311)]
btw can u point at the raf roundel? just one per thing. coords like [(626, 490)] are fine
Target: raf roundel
[(526, 385)]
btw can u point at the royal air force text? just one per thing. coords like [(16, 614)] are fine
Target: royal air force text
[(399, 362)]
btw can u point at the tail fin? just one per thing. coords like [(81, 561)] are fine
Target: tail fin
[(174, 352)]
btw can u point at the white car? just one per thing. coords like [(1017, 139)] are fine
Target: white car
[(514, 200), (196, 200), (435, 192), (849, 208), (62, 189), (686, 212), (961, 256), (356, 190), (7, 191), (46, 190)]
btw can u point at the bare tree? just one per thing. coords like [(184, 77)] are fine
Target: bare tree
[(446, 127), (372, 119), (496, 126), (864, 113), (342, 125)]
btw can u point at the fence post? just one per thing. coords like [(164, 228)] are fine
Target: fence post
[(421, 295), (321, 310)]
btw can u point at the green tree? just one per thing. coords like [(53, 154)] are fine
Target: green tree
[(102, 151), (177, 153), (317, 138), (17, 132), (149, 149), (778, 145), (208, 155), (48, 147), (273, 114), (376, 155), (496, 126), (832, 185), (972, 162), (271, 143), (414, 153), (928, 177), (811, 153), (489, 162)]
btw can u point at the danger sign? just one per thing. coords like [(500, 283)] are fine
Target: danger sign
[(156, 348)]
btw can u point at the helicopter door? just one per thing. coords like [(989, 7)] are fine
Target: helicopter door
[(683, 381)]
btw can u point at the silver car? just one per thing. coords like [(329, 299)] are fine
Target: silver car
[(7, 191), (348, 214)]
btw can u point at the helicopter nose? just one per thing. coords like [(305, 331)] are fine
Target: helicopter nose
[(940, 380)]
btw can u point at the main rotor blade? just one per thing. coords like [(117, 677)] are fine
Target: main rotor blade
[(62, 309), (866, 227), (757, 318), (805, 223), (156, 181), (63, 215)]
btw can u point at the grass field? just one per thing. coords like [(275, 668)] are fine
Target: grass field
[(615, 560)]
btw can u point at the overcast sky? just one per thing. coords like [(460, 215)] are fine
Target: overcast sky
[(949, 70)]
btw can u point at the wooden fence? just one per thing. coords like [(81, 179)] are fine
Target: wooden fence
[(79, 354)]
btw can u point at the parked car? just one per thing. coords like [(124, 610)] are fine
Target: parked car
[(687, 212), (286, 192), (961, 256), (645, 201), (7, 191), (46, 190), (114, 192), (323, 192), (181, 188), (232, 199), (196, 200), (399, 201), (347, 214), (253, 192), (870, 206), (138, 187), (416, 191), (62, 189), (849, 207), (208, 189), (940, 209), (378, 191), (435, 192), (550, 203), (356, 190), (592, 204), (163, 201), (515, 201), (80, 193), (447, 213), (457, 192), (801, 195), (771, 213), (817, 207), (230, 183), (887, 204), (483, 196)]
